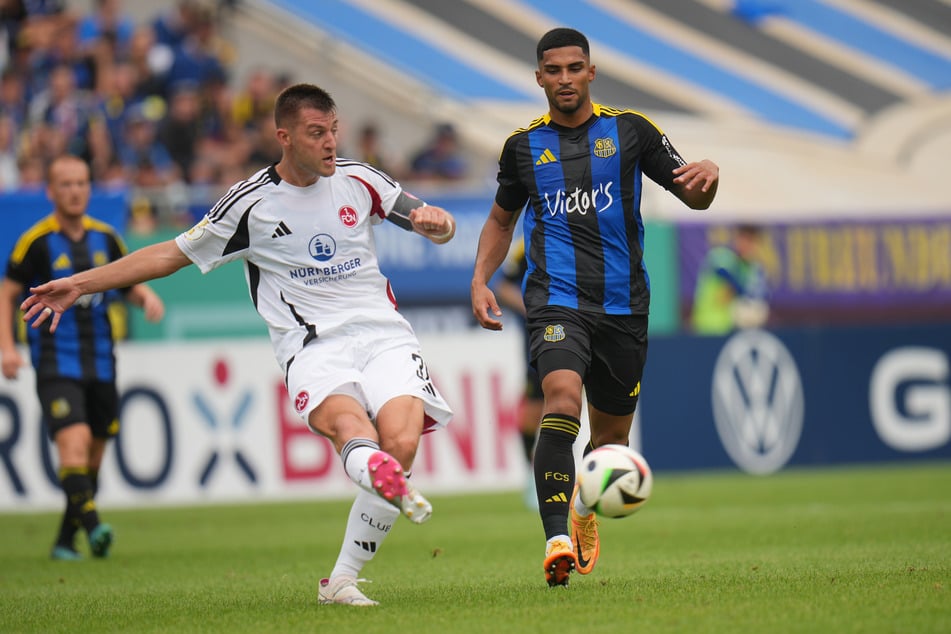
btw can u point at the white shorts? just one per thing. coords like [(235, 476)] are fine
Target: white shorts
[(373, 364)]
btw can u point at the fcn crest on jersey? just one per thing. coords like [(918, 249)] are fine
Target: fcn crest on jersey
[(348, 216)]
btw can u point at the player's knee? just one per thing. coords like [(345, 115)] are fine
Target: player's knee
[(563, 402), (401, 446), (339, 424)]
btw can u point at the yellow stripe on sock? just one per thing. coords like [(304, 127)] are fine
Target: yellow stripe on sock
[(561, 424), (68, 471)]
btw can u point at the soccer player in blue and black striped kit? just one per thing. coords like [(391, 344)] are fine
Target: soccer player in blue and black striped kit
[(577, 172), (75, 366)]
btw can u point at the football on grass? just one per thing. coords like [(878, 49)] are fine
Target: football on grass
[(614, 481)]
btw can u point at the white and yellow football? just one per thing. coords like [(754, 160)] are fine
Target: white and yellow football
[(614, 481)]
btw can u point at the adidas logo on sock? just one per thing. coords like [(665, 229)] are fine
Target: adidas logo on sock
[(282, 230), (370, 547), (561, 497)]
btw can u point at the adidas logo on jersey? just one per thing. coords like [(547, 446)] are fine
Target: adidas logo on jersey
[(282, 230), (546, 157)]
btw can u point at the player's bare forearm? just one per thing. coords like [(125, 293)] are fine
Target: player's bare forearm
[(494, 242), (52, 298), (148, 263)]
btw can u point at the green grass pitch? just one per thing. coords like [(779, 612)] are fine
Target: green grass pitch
[(821, 550)]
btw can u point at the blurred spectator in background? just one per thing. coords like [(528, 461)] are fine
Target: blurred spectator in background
[(140, 148), (61, 115), (13, 101), (154, 178), (173, 25), (151, 61), (32, 173), (63, 50), (100, 154), (198, 58), (369, 149), (180, 131), (265, 148), (441, 159), (731, 289), (223, 141), (115, 94), (30, 24), (9, 173), (107, 22), (255, 99), (12, 16)]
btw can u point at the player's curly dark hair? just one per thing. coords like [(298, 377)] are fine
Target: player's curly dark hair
[(294, 98), (560, 37)]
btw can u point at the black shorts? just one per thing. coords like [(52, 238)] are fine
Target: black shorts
[(607, 351), (66, 402)]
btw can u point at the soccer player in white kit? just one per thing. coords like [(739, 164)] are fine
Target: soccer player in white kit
[(352, 363)]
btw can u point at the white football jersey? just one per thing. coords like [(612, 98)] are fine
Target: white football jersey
[(310, 255)]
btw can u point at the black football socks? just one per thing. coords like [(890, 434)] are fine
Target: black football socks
[(554, 467)]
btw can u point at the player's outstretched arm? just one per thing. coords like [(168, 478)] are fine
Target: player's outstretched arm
[(53, 298)]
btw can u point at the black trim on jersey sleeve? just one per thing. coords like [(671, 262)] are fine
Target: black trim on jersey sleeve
[(241, 190), (512, 194), (241, 238), (254, 281), (342, 162)]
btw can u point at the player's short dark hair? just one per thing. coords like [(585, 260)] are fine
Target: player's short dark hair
[(297, 97), (561, 37)]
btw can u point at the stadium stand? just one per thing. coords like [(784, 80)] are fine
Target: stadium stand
[(797, 85), (848, 97)]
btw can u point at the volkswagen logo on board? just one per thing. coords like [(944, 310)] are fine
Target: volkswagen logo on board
[(758, 403)]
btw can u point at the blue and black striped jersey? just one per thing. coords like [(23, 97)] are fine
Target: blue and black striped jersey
[(583, 229), (82, 346)]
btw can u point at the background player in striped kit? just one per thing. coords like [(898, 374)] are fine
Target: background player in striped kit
[(75, 366), (577, 173), (352, 363), (508, 290)]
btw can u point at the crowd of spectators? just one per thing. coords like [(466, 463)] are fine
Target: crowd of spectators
[(152, 105)]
